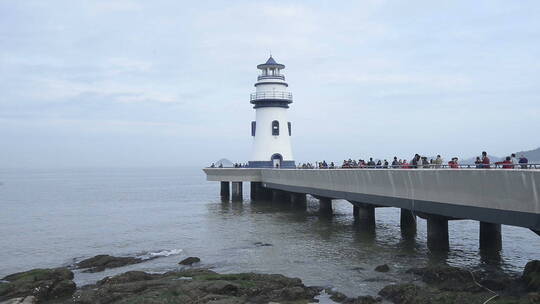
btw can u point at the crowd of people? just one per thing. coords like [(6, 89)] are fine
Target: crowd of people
[(509, 162), (418, 161)]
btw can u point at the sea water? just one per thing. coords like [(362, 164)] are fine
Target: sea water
[(55, 217)]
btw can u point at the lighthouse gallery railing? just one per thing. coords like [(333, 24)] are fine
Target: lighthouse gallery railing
[(270, 95)]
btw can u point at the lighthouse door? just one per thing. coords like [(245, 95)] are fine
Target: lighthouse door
[(276, 160)]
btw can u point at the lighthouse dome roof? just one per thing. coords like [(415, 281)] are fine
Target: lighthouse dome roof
[(270, 63)]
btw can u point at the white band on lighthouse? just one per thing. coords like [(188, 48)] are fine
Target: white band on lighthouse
[(271, 129)]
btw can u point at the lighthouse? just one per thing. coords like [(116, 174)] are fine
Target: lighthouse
[(271, 131)]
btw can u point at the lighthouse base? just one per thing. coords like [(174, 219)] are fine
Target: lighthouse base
[(288, 164)]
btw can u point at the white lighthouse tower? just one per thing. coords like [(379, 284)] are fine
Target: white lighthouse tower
[(271, 130)]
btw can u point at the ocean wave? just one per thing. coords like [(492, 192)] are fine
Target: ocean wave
[(161, 253)]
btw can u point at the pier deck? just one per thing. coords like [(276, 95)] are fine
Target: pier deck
[(509, 197)]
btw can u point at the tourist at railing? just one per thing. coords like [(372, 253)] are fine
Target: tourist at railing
[(416, 161), (478, 163), (405, 164), (396, 163), (425, 162), (523, 161), (371, 163), (506, 164), (438, 161), (485, 160), (513, 160), (454, 163)]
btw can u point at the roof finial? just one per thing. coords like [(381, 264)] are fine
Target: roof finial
[(270, 52)]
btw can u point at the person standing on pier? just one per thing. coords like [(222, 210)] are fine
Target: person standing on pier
[(485, 160)]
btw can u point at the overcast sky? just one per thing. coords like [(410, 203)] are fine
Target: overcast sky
[(151, 83)]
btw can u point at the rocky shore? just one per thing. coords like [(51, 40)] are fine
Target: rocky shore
[(435, 284)]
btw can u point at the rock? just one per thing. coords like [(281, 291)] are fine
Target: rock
[(534, 297), (130, 276), (400, 294), (204, 286), (339, 297), (103, 261), (261, 244), (40, 284), (222, 288), (190, 261), (495, 282), (382, 268), (25, 300), (447, 278), (531, 275), (363, 300)]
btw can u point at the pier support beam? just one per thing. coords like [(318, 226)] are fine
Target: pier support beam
[(225, 193), (236, 191), (407, 223), (256, 191), (325, 206), (437, 233), (299, 200), (364, 215), (490, 236)]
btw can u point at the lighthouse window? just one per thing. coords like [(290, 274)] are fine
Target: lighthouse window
[(289, 125), (275, 127), (253, 127)]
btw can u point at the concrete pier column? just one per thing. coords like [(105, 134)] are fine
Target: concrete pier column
[(325, 206), (437, 233), (255, 190), (299, 200), (407, 223), (237, 191), (364, 215), (225, 192), (490, 236), (265, 193)]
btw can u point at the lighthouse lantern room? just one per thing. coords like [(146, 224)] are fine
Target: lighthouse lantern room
[(271, 130)]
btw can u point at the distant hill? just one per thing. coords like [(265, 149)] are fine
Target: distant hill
[(532, 155)]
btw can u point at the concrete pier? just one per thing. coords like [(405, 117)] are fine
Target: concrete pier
[(254, 190), (490, 236), (225, 190), (437, 233), (259, 192), (325, 206), (299, 200), (364, 215), (407, 223), (237, 191)]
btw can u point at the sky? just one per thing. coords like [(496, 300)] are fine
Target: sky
[(166, 83)]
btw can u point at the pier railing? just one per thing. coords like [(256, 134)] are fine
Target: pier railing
[(427, 166)]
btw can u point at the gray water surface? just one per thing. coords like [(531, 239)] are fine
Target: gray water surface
[(51, 218)]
